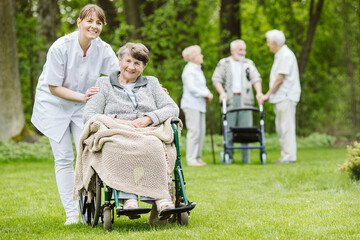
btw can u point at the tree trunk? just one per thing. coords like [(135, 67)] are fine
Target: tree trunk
[(314, 19), (111, 14), (133, 16), (48, 12), (350, 64), (230, 28), (11, 109)]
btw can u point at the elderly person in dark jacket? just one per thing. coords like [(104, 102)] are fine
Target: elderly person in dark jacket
[(135, 100)]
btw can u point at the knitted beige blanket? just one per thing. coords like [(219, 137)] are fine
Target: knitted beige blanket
[(133, 160)]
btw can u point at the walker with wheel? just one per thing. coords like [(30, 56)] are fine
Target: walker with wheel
[(251, 134)]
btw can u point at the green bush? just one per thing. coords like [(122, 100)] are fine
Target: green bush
[(352, 163), (12, 151)]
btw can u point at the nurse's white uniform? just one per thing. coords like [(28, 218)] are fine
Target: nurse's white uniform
[(58, 118)]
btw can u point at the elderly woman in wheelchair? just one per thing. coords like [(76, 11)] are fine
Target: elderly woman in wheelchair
[(128, 144)]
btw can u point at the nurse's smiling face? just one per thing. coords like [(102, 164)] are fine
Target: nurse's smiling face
[(90, 26)]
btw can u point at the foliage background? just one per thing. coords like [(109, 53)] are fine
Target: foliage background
[(325, 104)]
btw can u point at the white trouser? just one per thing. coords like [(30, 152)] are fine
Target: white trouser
[(285, 128), (64, 167), (196, 127)]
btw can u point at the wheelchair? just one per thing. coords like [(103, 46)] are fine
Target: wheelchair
[(104, 200), (251, 134)]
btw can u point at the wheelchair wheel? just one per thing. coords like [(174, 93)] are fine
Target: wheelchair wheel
[(107, 218), (180, 218), (87, 209), (183, 218), (90, 212), (97, 199), (263, 157)]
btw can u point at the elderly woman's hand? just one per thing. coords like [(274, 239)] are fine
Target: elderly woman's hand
[(209, 97), (142, 122), (125, 122)]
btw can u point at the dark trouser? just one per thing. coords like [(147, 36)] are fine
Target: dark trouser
[(239, 119)]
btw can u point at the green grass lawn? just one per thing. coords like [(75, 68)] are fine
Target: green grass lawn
[(310, 199)]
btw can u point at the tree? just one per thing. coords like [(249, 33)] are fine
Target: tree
[(350, 62), (314, 16), (12, 119), (48, 21), (111, 14), (133, 16), (230, 27)]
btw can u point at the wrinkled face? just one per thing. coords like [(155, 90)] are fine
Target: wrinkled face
[(198, 59), (272, 46), (90, 27), (239, 51), (130, 67)]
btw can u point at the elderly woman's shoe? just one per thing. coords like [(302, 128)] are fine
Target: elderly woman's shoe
[(162, 205), (131, 204)]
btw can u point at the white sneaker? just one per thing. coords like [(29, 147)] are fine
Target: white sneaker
[(71, 220), (201, 162)]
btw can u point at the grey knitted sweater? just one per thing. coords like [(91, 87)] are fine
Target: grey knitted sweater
[(113, 101)]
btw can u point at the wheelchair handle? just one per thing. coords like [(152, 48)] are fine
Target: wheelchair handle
[(176, 121)]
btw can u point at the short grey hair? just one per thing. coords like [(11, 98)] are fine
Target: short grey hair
[(236, 42), (276, 36), (136, 50)]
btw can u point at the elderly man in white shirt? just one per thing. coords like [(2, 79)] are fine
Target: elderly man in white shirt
[(193, 103), (284, 93)]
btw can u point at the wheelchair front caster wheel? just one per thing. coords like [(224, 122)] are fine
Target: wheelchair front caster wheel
[(107, 218), (181, 219), (184, 219)]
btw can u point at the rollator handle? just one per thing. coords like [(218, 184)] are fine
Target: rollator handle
[(261, 108), (223, 106)]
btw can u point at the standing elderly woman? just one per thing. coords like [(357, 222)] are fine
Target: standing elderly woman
[(134, 100), (193, 103), (73, 64)]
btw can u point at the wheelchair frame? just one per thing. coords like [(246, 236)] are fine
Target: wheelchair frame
[(256, 134), (95, 209)]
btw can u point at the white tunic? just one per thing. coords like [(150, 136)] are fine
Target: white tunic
[(65, 66), (285, 63), (194, 88)]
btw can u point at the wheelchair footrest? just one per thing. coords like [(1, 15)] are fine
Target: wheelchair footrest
[(128, 212), (186, 208)]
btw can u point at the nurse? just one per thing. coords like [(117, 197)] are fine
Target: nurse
[(73, 64)]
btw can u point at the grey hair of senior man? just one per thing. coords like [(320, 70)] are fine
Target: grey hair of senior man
[(276, 36), (236, 42), (137, 50), (190, 52)]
